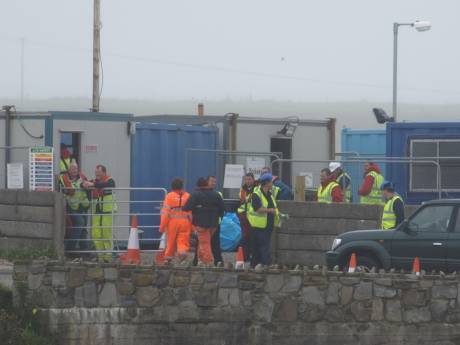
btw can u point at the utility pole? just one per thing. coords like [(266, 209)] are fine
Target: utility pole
[(22, 70), (96, 54)]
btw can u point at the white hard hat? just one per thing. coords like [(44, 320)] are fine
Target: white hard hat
[(333, 166)]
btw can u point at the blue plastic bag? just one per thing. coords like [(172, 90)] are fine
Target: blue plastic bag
[(230, 232)]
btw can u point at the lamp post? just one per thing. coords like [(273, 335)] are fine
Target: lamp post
[(419, 25)]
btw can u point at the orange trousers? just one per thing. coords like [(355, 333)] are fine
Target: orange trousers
[(204, 244), (177, 237)]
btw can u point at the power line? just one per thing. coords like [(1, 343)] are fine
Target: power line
[(243, 71)]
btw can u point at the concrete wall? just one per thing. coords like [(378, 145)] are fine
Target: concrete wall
[(312, 227), (92, 304), (31, 220)]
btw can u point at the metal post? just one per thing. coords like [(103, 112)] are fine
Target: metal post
[(96, 53), (395, 70), (22, 70), (7, 109)]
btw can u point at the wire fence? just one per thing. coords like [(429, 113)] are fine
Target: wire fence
[(406, 168), (251, 162), (104, 226)]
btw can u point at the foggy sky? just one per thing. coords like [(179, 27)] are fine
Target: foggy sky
[(297, 50)]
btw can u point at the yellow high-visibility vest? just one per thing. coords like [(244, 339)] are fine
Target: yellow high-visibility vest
[(259, 220), (375, 196), (324, 195), (389, 216)]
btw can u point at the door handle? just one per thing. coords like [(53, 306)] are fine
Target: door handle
[(437, 244)]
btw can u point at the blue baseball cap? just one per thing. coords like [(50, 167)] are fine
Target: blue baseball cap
[(266, 177), (387, 185)]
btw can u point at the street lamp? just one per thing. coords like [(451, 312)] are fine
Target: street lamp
[(419, 25)]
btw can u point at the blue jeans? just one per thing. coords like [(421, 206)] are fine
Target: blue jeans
[(78, 230), (261, 246)]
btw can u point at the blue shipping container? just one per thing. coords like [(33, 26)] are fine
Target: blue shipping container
[(363, 143), (158, 155), (423, 139)]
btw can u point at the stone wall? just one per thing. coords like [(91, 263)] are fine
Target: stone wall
[(311, 228), (31, 220), (86, 304)]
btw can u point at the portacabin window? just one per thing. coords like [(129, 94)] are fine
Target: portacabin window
[(424, 176)]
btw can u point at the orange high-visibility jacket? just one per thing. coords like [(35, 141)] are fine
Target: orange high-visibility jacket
[(172, 208)]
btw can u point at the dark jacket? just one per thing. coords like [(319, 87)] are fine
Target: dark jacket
[(207, 207), (285, 191)]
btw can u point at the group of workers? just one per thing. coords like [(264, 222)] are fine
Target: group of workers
[(336, 187), (83, 195), (201, 212), (198, 215)]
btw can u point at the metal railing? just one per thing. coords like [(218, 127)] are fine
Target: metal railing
[(389, 160), (225, 153), (145, 203)]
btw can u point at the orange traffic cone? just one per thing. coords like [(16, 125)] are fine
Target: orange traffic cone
[(416, 266), (133, 256), (352, 264), (239, 258)]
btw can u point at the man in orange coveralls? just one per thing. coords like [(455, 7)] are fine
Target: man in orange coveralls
[(176, 222)]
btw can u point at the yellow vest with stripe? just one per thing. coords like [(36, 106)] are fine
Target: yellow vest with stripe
[(105, 203), (65, 163), (324, 195), (275, 191), (389, 216), (244, 205), (79, 197), (347, 190), (260, 220), (375, 196)]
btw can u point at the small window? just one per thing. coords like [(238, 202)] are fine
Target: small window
[(424, 176), (432, 219)]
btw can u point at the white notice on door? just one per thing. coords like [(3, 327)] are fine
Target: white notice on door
[(233, 175), (15, 175)]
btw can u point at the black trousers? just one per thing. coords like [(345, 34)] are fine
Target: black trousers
[(261, 246), (215, 249)]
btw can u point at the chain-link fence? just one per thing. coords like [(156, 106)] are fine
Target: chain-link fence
[(251, 162), (409, 172)]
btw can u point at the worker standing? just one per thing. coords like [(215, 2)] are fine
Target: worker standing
[(66, 159), (215, 240), (370, 189), (393, 211), (263, 215), (176, 222), (245, 195), (329, 191), (207, 206), (103, 207), (343, 179), (77, 205)]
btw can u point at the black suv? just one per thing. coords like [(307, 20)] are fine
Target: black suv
[(432, 233)]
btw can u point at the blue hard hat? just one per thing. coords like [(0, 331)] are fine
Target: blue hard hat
[(387, 185), (266, 177)]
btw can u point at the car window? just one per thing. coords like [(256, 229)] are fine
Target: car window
[(457, 223), (432, 219)]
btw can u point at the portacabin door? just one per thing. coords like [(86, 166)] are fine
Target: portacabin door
[(425, 235)]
